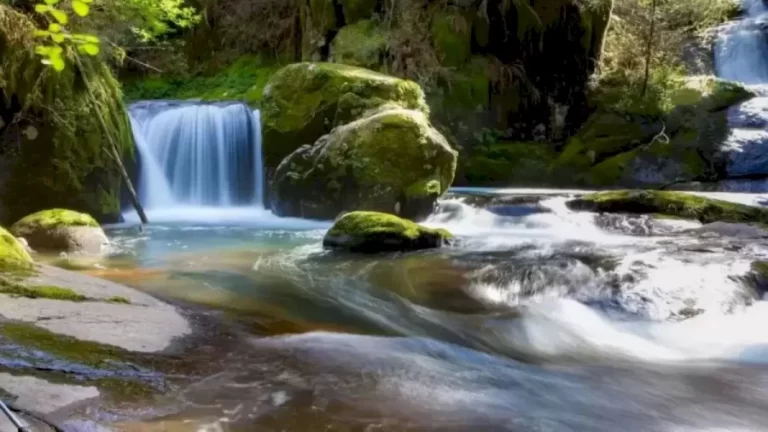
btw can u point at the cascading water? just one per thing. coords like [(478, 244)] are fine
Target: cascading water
[(741, 54), (198, 155)]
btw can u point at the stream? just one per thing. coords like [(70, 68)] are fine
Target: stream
[(537, 319)]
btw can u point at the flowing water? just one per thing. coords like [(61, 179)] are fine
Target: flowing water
[(741, 54), (537, 319), (196, 154)]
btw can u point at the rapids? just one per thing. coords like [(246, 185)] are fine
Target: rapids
[(538, 318)]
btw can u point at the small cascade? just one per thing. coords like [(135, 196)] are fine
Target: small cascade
[(195, 154), (741, 54)]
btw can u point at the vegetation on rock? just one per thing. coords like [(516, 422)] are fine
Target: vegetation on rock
[(391, 161), (244, 80), (14, 259), (677, 204), (60, 230), (305, 101), (49, 120), (43, 292), (373, 232)]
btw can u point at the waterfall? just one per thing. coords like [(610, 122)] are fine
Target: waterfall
[(197, 154), (741, 54)]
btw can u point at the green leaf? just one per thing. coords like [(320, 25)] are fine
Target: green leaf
[(57, 62), (54, 28), (52, 2), (90, 49), (80, 8), (60, 16), (58, 37), (88, 38), (43, 50), (41, 8), (42, 33)]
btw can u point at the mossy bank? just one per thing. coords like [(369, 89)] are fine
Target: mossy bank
[(52, 142), (674, 204)]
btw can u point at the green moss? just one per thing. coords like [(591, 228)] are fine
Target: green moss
[(370, 164), (358, 10), (710, 93), (362, 44), (760, 268), (611, 170), (424, 188), (679, 204), (118, 300), (64, 164), (126, 390), (510, 163), (14, 259), (52, 219), (452, 37), (364, 231), (301, 102), (41, 291), (244, 80), (64, 347)]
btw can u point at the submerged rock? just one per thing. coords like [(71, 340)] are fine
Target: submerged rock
[(305, 101), (676, 204), (61, 230), (372, 232), (392, 161)]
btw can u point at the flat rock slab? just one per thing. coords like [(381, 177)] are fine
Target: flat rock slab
[(144, 325)]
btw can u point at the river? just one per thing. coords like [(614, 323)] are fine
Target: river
[(537, 319)]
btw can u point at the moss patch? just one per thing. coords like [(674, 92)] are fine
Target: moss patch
[(452, 36), (40, 291), (65, 347), (14, 259), (244, 80), (64, 163), (301, 102), (380, 232), (510, 163), (678, 204), (371, 164), (52, 219), (118, 300), (363, 44)]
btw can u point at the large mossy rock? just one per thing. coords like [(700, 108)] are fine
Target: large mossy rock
[(13, 256), (60, 230), (373, 232), (668, 203), (305, 101), (511, 163), (634, 143), (55, 155), (391, 161), (362, 44)]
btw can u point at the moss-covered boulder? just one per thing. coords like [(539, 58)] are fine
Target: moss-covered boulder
[(668, 203), (305, 101), (13, 256), (54, 154), (391, 161), (373, 232), (654, 141), (60, 230), (362, 44)]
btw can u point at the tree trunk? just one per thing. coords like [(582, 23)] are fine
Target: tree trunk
[(649, 49), (112, 150)]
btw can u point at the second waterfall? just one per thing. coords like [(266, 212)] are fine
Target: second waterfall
[(196, 154)]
